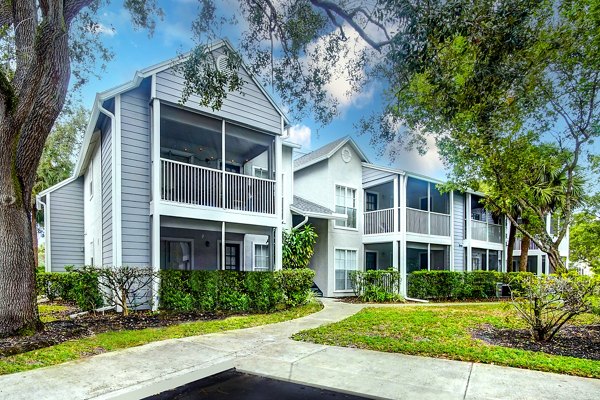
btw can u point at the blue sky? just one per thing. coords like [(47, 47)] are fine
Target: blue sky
[(134, 50)]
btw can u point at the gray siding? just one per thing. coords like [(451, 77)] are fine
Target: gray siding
[(459, 231), (135, 176), (251, 107), (371, 176), (106, 173), (66, 226)]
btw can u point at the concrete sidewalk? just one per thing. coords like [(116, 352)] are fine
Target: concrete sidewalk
[(268, 351)]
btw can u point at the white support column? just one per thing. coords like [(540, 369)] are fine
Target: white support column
[(278, 202), (223, 191), (396, 204), (539, 264), (469, 255), (155, 209), (402, 196), (116, 186), (395, 255), (223, 245), (452, 243)]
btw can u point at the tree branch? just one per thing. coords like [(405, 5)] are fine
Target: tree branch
[(330, 7)]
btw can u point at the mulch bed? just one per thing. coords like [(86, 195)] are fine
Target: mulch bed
[(64, 329), (581, 341)]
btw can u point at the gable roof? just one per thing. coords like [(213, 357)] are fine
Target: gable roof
[(309, 209), (138, 77), (323, 153)]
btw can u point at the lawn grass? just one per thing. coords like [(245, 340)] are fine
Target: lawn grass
[(444, 332), (111, 341)]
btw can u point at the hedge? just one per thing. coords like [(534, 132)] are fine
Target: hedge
[(80, 288), (233, 290), (377, 286), (449, 285)]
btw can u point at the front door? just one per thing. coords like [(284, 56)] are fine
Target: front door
[(232, 256), (370, 261)]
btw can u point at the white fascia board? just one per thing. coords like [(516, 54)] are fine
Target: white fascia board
[(291, 144), (57, 186), (332, 152), (384, 169), (318, 215)]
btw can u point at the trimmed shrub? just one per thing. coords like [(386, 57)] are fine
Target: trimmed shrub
[(451, 285), (250, 291), (74, 286), (377, 286), (296, 285)]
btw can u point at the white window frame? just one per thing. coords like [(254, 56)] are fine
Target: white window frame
[(356, 202), (346, 250), (254, 255), (190, 241)]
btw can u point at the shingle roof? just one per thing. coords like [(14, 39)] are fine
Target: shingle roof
[(318, 153), (310, 207)]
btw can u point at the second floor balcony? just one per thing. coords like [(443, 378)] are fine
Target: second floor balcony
[(210, 163), (486, 232)]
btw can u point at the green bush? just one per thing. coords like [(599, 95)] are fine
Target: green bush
[(233, 290), (298, 247), (377, 286), (74, 286), (451, 285), (296, 285)]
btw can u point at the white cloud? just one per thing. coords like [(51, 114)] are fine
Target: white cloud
[(300, 134), (104, 30), (429, 164)]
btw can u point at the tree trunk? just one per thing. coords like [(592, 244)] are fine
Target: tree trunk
[(511, 247), (18, 300), (34, 237), (524, 253), (555, 261)]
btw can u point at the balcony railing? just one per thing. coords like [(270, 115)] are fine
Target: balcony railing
[(379, 221), (195, 185), (427, 222), (486, 232)]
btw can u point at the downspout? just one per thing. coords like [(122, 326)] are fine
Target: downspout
[(113, 127), (301, 223)]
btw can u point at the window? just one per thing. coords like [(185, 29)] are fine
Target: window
[(176, 254), (371, 202), (260, 172), (345, 203), (261, 257), (345, 262)]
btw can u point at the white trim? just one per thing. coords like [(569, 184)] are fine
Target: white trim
[(270, 266), (317, 215), (356, 203), (356, 269), (155, 188), (57, 186), (117, 165), (293, 145), (48, 245), (221, 261), (394, 171), (176, 239)]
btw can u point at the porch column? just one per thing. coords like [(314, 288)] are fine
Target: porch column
[(278, 239), (402, 227), (451, 220), (396, 206), (155, 207), (468, 266), (539, 264), (222, 266)]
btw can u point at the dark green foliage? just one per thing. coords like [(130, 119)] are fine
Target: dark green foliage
[(295, 285), (74, 286), (377, 286), (298, 247), (450, 285), (233, 290)]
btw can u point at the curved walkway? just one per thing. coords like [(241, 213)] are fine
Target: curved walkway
[(267, 350)]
